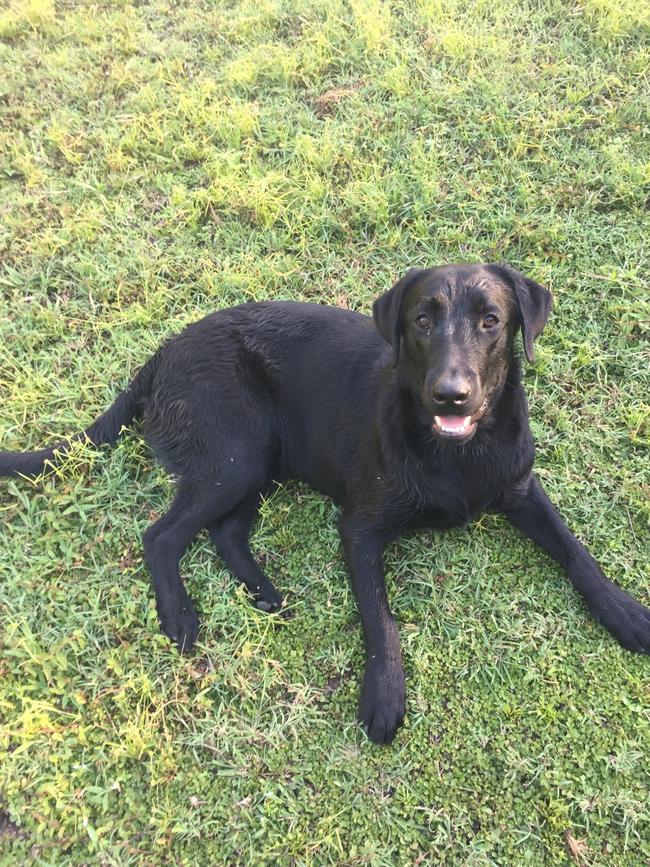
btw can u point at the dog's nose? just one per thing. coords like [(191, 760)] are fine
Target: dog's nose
[(452, 389)]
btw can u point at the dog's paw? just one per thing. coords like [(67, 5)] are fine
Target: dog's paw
[(625, 618), (181, 625), (383, 701), (267, 599)]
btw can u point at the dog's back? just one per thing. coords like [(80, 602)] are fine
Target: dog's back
[(288, 377)]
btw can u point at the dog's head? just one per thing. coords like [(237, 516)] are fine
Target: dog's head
[(452, 330)]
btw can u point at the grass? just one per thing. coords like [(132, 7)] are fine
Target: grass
[(159, 160)]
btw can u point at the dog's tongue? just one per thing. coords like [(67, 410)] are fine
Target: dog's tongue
[(455, 423)]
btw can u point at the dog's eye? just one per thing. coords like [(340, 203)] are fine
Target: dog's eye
[(490, 320), (423, 321)]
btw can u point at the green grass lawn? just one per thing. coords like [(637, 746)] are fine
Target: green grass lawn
[(162, 159)]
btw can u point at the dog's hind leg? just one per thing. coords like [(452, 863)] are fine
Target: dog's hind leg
[(199, 503), (230, 536)]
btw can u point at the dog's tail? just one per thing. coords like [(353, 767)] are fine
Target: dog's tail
[(104, 430)]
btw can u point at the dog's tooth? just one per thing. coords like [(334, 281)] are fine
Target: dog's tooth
[(453, 423)]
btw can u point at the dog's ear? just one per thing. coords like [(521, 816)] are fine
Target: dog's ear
[(387, 309), (533, 305)]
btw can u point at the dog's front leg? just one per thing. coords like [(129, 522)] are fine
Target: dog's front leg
[(382, 702), (529, 509)]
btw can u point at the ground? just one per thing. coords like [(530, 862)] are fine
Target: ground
[(161, 159)]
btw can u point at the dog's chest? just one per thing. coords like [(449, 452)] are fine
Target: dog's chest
[(453, 511), (480, 492), (457, 495)]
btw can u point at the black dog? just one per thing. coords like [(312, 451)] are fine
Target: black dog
[(417, 419)]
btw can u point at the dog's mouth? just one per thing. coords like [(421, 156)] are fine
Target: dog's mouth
[(459, 428), (454, 426)]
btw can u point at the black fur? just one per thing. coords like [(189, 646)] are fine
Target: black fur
[(417, 419)]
